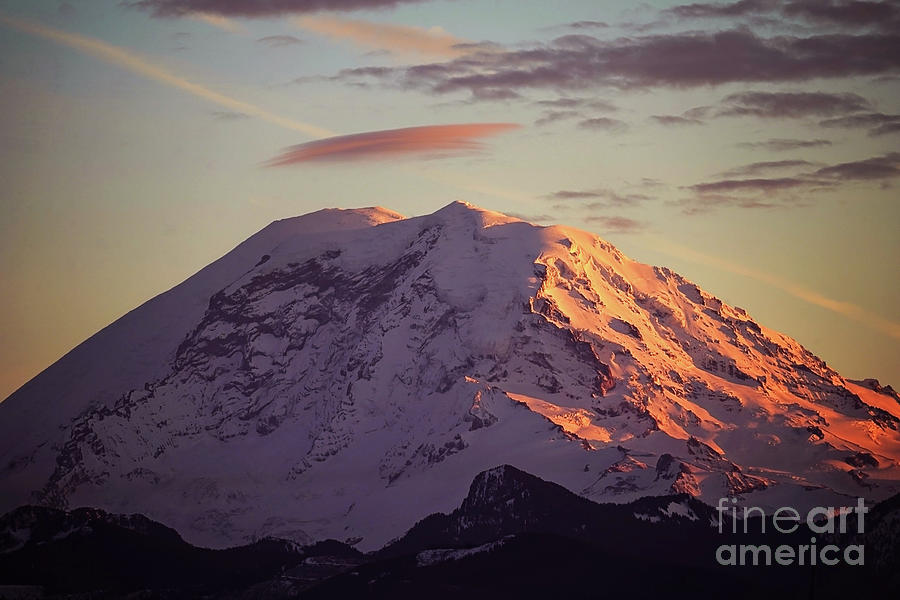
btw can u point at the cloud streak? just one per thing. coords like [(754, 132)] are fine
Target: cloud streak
[(218, 21), (258, 8), (876, 168), (552, 116), (400, 39), (125, 59), (600, 197), (845, 309), (750, 185), (720, 10), (764, 166), (879, 123), (429, 140), (779, 105), (615, 224), (604, 124), (785, 144), (278, 41), (675, 120)]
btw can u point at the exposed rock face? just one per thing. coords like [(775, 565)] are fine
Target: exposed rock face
[(346, 373)]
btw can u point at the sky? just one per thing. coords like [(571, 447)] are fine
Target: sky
[(751, 146)]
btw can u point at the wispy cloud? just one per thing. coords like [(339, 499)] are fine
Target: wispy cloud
[(599, 197), (885, 129), (257, 8), (591, 103), (765, 166), (675, 120), (398, 39), (785, 144), (587, 25), (791, 104), (219, 21), (604, 124), (758, 185), (571, 108), (877, 123), (615, 224), (224, 115), (127, 60), (429, 140), (552, 116), (876, 168), (277, 41), (702, 10), (846, 309)]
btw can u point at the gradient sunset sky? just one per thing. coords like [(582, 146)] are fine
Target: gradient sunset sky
[(753, 147)]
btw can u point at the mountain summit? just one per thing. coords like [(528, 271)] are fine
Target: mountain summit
[(345, 373)]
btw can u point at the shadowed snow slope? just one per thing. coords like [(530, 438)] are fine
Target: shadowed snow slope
[(345, 373)]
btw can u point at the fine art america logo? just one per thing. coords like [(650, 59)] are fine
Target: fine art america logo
[(787, 520)]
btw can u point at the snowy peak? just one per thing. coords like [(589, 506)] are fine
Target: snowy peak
[(469, 213), (345, 373), (340, 219)]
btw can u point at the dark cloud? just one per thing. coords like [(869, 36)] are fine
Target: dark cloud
[(675, 120), (885, 129), (573, 194), (876, 168), (841, 14), (472, 46), (552, 116), (224, 115), (750, 185), (562, 102), (429, 140), (770, 192), (706, 203), (280, 40), (720, 10), (600, 197), (791, 104), (854, 12), (578, 62), (784, 144), (494, 94), (864, 120), (762, 167), (615, 224), (699, 112), (588, 25), (876, 123), (257, 8), (377, 72), (592, 103), (603, 124)]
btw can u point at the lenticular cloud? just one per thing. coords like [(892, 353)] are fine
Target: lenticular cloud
[(424, 141)]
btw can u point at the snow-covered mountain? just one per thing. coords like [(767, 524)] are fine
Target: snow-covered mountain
[(345, 373)]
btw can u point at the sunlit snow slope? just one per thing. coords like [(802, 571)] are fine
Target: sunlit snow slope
[(345, 373)]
